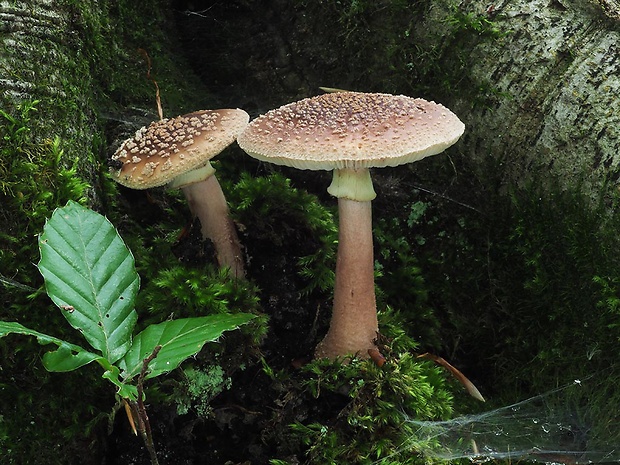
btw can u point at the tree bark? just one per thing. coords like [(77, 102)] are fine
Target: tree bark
[(39, 61), (31, 30), (557, 77)]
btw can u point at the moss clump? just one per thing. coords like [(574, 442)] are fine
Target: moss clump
[(199, 388), (36, 177), (196, 291), (308, 223), (400, 278), (357, 411)]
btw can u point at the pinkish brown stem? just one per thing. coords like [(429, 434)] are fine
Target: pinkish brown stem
[(207, 202), (354, 323)]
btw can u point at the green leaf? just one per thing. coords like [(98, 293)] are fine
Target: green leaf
[(89, 273), (126, 391), (179, 339), (67, 357)]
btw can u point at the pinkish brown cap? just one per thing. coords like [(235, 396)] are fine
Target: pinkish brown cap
[(166, 149), (351, 130)]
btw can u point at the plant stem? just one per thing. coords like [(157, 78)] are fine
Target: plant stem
[(143, 419)]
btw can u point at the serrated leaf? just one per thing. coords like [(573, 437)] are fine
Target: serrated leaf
[(89, 273), (179, 339), (67, 357)]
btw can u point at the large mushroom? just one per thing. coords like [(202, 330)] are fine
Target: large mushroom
[(350, 132), (176, 153)]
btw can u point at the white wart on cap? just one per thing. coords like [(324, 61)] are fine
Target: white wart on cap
[(351, 130), (166, 149)]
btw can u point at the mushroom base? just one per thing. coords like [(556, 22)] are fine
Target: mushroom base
[(354, 324)]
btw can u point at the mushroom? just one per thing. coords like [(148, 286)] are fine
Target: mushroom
[(350, 132), (176, 152)]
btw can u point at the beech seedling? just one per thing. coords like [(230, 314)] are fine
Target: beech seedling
[(90, 275)]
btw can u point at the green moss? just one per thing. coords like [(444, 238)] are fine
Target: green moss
[(36, 178), (114, 36), (188, 292), (400, 279), (361, 408), (199, 387), (565, 250), (312, 233), (526, 291)]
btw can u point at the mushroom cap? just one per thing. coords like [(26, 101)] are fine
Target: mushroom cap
[(351, 130), (165, 149)]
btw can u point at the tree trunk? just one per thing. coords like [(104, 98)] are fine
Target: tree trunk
[(41, 59), (63, 64), (557, 77)]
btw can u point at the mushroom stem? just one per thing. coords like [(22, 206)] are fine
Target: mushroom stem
[(354, 325), (207, 202)]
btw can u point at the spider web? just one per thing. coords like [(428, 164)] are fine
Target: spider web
[(560, 426)]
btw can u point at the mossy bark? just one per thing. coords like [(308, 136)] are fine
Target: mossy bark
[(555, 75), (88, 65), (42, 59)]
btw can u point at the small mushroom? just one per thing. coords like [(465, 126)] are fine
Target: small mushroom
[(350, 132), (176, 153)]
